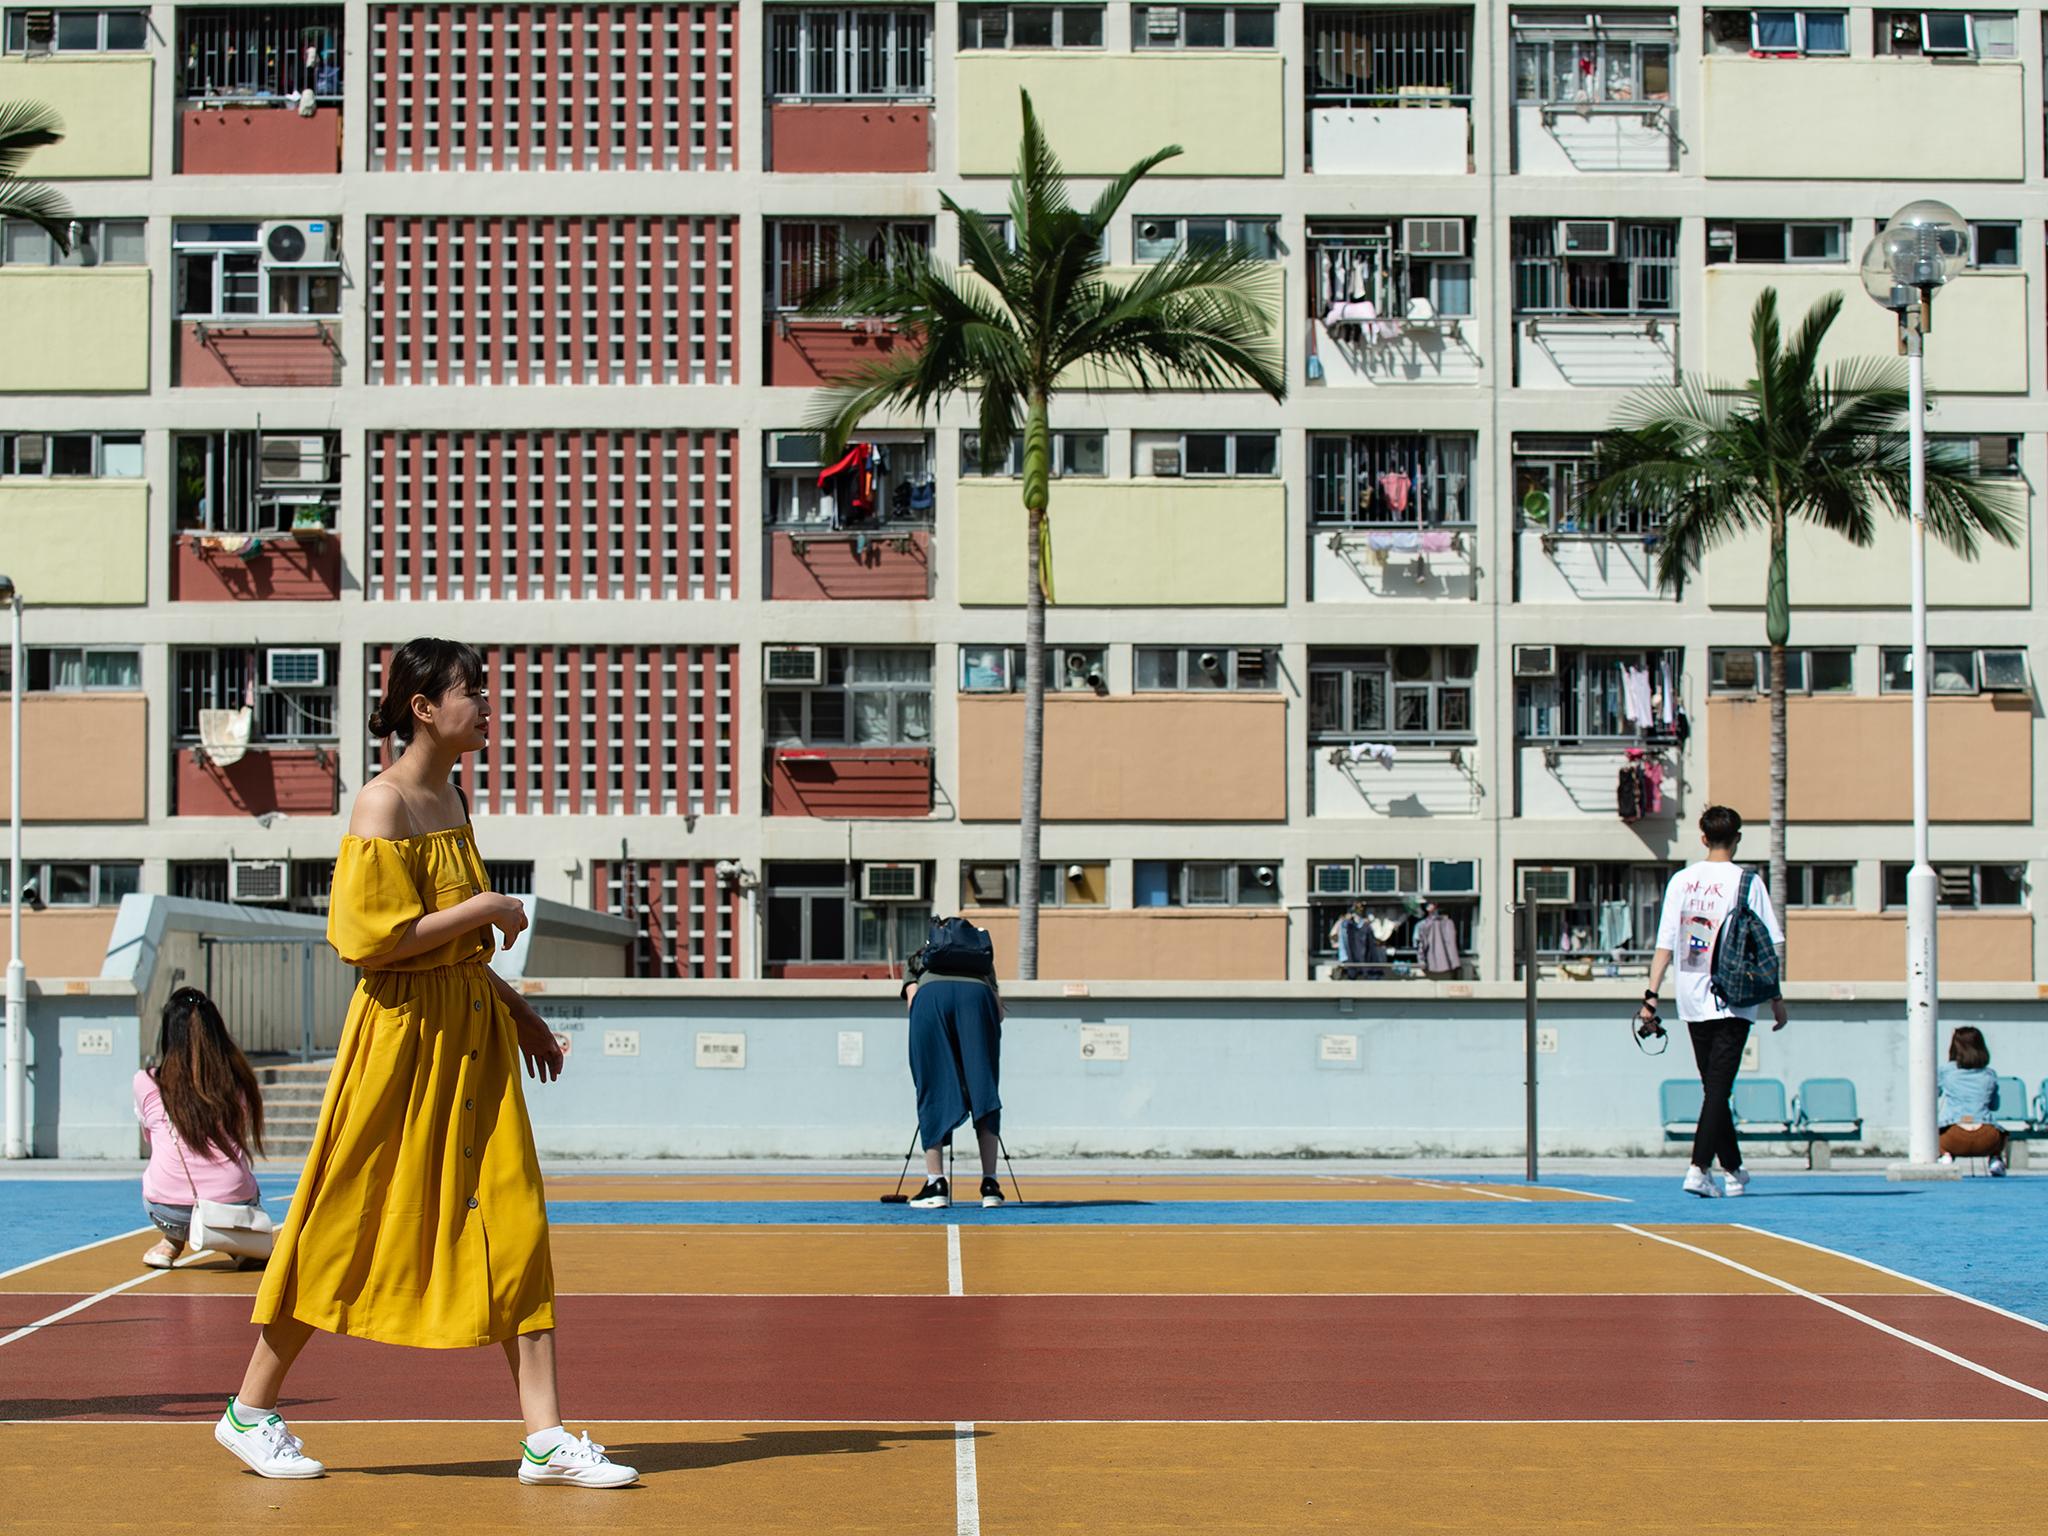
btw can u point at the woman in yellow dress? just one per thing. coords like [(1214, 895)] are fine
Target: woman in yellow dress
[(420, 1217)]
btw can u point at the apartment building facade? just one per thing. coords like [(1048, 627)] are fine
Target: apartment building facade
[(483, 320)]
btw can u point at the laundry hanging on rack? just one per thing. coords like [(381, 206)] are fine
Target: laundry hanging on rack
[(1394, 488), (853, 485), (1378, 751), (1616, 926), (1669, 691), (1635, 697)]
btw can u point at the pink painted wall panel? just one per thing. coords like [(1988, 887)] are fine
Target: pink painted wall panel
[(300, 781), (268, 141), (808, 353), (282, 571), (822, 138), (892, 568), (854, 782), (223, 355)]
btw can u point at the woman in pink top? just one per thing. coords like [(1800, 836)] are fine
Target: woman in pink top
[(201, 1111)]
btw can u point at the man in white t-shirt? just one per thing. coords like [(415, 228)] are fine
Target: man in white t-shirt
[(1696, 902)]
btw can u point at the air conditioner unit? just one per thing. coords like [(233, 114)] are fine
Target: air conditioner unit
[(2003, 671), (1162, 21), (1547, 885), (254, 881), (794, 666), (1953, 885), (1165, 462), (1333, 879), (1251, 668), (1433, 237), (300, 667), (1450, 877), (1379, 879), (892, 882), (293, 460), (989, 884), (1535, 661), (1586, 237), (39, 31), (298, 242)]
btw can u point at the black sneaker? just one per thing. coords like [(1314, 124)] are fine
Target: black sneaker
[(935, 1196), (991, 1193)]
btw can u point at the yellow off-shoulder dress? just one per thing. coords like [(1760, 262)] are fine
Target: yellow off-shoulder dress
[(420, 1217)]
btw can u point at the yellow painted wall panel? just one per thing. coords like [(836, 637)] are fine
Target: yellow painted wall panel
[(1862, 120), (1103, 111), (77, 544), (106, 107), (1829, 572), (1131, 543), (75, 330)]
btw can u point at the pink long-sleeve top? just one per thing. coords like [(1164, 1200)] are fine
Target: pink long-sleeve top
[(227, 1179)]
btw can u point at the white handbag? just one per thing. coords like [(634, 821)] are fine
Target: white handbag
[(241, 1231)]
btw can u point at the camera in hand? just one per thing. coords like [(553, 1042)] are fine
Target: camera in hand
[(1649, 1029)]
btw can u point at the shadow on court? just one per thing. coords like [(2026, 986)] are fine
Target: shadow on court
[(659, 1456)]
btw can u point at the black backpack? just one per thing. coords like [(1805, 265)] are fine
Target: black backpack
[(956, 948), (1745, 971)]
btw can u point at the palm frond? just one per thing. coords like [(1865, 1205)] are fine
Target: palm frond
[(41, 205), (25, 126)]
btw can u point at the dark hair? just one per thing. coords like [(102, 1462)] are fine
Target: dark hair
[(1966, 1048), (209, 1093), (425, 666), (1721, 827)]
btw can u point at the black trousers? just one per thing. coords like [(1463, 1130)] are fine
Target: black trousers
[(1717, 1046)]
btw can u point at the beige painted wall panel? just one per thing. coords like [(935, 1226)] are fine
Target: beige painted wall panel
[(1147, 946), (105, 104), (1849, 759), (1830, 572), (84, 757), (73, 330), (1969, 351), (1132, 543), (1148, 757), (1871, 946), (1862, 120), (58, 943), (77, 543), (1102, 111)]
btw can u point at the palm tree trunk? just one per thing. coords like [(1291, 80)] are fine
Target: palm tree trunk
[(1031, 791), (1778, 628)]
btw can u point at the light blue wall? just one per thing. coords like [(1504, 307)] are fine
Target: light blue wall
[(80, 1105)]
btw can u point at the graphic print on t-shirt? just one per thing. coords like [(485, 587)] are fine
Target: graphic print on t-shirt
[(1698, 927)]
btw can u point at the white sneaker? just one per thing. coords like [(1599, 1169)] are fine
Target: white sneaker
[(1946, 1158), (1998, 1167), (581, 1462), (267, 1446), (1738, 1182), (1700, 1182)]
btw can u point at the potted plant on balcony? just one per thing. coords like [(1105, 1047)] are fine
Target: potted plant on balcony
[(1025, 322)]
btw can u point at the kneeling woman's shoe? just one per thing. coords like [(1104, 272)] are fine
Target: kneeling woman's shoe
[(164, 1254), (935, 1196)]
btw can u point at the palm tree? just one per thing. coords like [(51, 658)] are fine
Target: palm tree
[(26, 126), (1026, 322), (1824, 445)]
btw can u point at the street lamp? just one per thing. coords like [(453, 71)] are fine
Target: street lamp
[(17, 976), (1922, 247)]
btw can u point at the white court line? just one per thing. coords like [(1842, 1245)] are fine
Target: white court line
[(1948, 1420), (954, 1287), (1850, 1312), (1897, 1274), (22, 1269), (113, 1290), (966, 1485)]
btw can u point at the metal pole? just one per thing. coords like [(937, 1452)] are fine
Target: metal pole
[(305, 1002), (17, 973), (1922, 1006), (1529, 1027)]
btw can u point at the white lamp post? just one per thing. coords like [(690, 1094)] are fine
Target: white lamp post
[(1922, 247), (17, 976)]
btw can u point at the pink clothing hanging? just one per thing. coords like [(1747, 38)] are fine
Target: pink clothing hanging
[(1654, 773), (1394, 487)]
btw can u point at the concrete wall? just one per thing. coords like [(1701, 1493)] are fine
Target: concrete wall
[(1827, 571), (82, 543), (84, 757), (75, 330), (106, 105), (1393, 141), (1564, 352), (84, 1045)]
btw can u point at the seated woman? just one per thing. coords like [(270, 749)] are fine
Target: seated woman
[(201, 1113), (1969, 1097)]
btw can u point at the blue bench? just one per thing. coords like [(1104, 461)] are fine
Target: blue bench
[(1822, 1114)]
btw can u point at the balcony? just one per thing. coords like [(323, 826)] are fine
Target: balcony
[(1131, 544), (1592, 94), (1106, 110), (84, 757), (291, 780), (78, 543), (1415, 783), (266, 353), (1871, 946), (850, 783), (1145, 757), (106, 104), (825, 138), (1595, 351), (1389, 301), (883, 565), (1571, 565), (231, 138), (1835, 120), (1581, 781), (75, 330), (288, 567), (1389, 92), (260, 90), (1225, 944), (1849, 759), (1361, 564)]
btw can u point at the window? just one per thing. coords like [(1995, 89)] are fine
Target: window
[(1154, 237), (1551, 476), (1031, 26), (807, 252), (1781, 33), (1579, 58), (1607, 923), (1206, 455), (1000, 669), (851, 55), (1777, 243), (1389, 479), (1202, 26), (200, 879), (77, 31), (1948, 34), (260, 52), (231, 677), (1005, 232), (510, 877), (1060, 884), (1414, 693), (72, 883), (1073, 453), (1160, 884), (1957, 671), (1393, 893), (77, 669), (1992, 454), (1389, 58), (98, 243), (1806, 671), (245, 482), (1599, 696), (892, 485), (222, 273), (1994, 245), (871, 697), (1820, 885), (1963, 885), (99, 455), (815, 917), (1366, 274), (1640, 278), (1204, 669)]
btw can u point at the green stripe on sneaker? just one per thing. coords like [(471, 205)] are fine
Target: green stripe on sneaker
[(240, 1427), (538, 1461)]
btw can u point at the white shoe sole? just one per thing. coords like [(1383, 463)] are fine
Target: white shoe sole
[(993, 1202), (302, 1468), (935, 1203), (1709, 1193), (577, 1477)]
